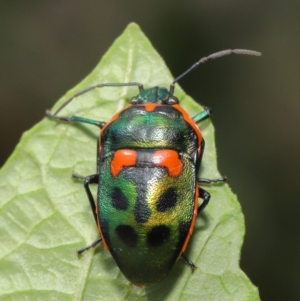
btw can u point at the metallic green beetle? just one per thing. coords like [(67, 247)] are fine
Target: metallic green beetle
[(149, 155)]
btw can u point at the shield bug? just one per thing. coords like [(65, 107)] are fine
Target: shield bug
[(149, 155)]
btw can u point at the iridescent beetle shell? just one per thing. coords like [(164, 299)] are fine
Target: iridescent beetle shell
[(148, 195)]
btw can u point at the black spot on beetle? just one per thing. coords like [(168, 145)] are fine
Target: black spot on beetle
[(167, 200), (128, 235), (118, 199), (158, 235)]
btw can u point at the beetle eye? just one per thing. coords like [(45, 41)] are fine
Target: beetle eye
[(173, 101), (134, 101)]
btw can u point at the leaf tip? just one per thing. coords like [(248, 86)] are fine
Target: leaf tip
[(133, 25)]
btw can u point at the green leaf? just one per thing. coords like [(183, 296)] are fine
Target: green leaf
[(45, 215)]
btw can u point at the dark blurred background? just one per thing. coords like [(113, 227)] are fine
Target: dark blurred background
[(46, 47)]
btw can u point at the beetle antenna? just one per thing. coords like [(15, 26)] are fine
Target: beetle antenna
[(212, 56), (139, 85)]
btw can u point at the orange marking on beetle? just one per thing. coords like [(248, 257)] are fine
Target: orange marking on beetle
[(122, 158), (168, 159), (99, 229), (190, 121), (150, 106), (114, 118), (102, 237), (195, 213)]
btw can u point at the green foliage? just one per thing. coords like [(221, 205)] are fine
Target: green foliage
[(45, 215)]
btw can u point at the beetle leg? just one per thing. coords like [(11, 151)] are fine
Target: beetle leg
[(75, 118), (203, 194), (92, 245), (202, 115), (92, 179), (210, 181), (189, 262)]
